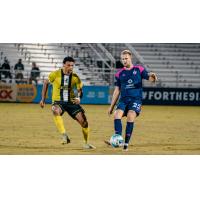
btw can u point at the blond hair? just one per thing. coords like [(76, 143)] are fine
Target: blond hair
[(124, 52)]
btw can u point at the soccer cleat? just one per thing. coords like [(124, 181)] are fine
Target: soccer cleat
[(89, 146), (65, 139), (125, 148)]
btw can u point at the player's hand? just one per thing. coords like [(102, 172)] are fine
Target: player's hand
[(110, 111), (76, 100), (42, 104), (153, 77)]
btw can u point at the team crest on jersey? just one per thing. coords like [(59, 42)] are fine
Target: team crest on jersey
[(123, 74), (134, 72), (130, 81)]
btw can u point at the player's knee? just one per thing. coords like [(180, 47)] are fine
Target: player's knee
[(56, 110), (84, 124), (131, 116), (117, 115)]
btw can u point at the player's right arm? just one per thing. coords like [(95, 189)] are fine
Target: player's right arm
[(51, 78), (115, 97), (44, 92)]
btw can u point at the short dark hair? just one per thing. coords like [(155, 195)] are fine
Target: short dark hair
[(68, 58)]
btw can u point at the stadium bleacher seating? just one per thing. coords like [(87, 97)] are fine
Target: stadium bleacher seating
[(177, 65)]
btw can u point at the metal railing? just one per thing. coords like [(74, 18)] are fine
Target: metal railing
[(26, 77), (8, 76), (20, 76)]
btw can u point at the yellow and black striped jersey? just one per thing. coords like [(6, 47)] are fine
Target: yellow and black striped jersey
[(64, 86)]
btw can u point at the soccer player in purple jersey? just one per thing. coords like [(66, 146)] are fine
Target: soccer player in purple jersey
[(128, 85)]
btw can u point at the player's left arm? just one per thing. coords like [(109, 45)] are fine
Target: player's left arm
[(79, 86), (152, 77), (77, 99), (80, 93)]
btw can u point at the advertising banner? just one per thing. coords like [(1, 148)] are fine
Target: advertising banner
[(8, 92), (101, 95), (95, 95), (171, 96), (26, 93)]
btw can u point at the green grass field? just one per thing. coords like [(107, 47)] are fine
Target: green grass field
[(28, 129)]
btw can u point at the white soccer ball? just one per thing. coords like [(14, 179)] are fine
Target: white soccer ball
[(116, 140)]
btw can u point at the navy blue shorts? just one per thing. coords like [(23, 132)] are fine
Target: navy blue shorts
[(129, 104)]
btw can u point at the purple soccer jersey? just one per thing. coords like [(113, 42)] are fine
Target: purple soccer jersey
[(130, 81)]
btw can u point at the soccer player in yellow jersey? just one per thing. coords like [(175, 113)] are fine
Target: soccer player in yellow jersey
[(64, 82)]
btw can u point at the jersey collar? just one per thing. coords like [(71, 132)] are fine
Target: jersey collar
[(129, 68)]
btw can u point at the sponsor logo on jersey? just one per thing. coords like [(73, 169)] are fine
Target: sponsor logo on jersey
[(130, 81)]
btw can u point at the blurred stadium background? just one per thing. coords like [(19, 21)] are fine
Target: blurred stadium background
[(178, 65), (160, 129)]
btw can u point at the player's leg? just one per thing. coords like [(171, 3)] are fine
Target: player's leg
[(82, 120), (57, 112), (119, 113), (134, 109), (118, 121), (77, 113), (131, 116)]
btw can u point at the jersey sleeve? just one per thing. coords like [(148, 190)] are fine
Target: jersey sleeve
[(79, 83), (144, 74), (52, 77), (117, 82)]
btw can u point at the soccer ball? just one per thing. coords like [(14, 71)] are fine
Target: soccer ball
[(116, 140)]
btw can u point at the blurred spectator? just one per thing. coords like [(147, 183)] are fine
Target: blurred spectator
[(19, 68), (6, 69), (35, 73)]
